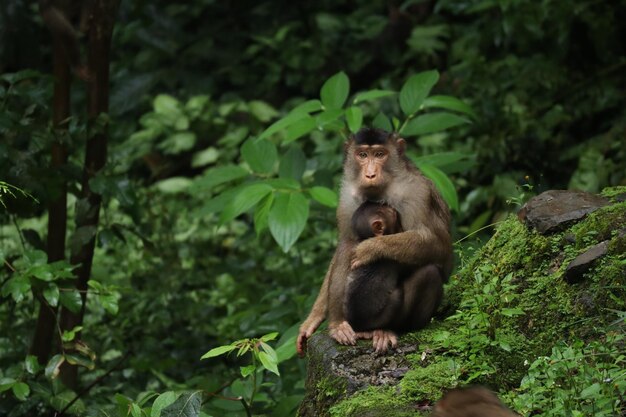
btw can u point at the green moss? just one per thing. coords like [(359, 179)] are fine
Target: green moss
[(600, 225), (428, 382), (613, 192), (374, 402)]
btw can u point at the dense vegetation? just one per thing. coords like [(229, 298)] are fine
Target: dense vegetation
[(225, 130)]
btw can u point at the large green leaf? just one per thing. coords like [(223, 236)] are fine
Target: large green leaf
[(216, 176), (335, 91), (270, 363), (443, 184), (51, 294), (354, 117), (292, 163), (416, 89), (283, 123), (432, 122), (309, 106), (53, 366), (187, 405), (261, 215), (324, 196), (220, 350), (372, 94), (449, 103), (161, 402), (382, 122), (299, 129), (21, 391), (260, 155), (287, 218), (247, 198), (71, 300)]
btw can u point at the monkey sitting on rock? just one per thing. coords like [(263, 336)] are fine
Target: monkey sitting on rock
[(376, 169)]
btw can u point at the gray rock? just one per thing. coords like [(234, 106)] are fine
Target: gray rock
[(553, 210), (336, 372), (583, 262)]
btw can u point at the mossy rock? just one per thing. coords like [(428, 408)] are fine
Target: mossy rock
[(506, 308)]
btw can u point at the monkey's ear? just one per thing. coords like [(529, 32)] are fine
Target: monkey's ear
[(378, 227), (400, 146)]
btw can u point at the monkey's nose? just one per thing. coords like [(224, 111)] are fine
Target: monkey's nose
[(370, 176)]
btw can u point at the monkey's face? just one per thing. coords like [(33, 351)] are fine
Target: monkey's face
[(371, 160)]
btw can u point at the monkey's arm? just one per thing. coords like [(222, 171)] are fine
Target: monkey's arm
[(413, 247)]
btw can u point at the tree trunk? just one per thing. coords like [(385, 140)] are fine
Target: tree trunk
[(101, 27), (57, 207)]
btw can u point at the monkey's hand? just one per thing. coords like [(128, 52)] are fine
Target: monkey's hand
[(382, 339), (365, 253), (306, 330), (343, 333)]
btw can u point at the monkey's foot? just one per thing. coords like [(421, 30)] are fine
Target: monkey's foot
[(382, 339), (343, 333)]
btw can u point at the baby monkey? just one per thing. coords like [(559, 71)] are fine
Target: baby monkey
[(374, 294)]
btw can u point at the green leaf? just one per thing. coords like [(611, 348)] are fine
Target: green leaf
[(165, 104), (53, 366), (178, 142), (269, 362), (220, 350), (69, 335), (372, 94), (71, 300), (17, 286), (354, 117), (110, 302), (216, 176), (262, 110), (416, 89), (335, 91), (287, 350), (324, 196), (80, 361), (31, 364), (42, 272), (205, 157), (382, 122), (261, 214), (328, 116), (443, 184), (260, 155), (51, 294), (21, 391), (269, 336), (449, 103), (287, 218), (591, 391), (310, 106), (432, 122), (299, 129), (6, 383), (283, 123), (247, 370), (187, 405), (292, 163), (36, 257), (161, 402), (247, 198)]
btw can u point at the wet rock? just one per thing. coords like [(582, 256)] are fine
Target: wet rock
[(552, 210), (583, 262)]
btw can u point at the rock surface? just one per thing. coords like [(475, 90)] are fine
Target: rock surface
[(583, 262), (350, 369), (553, 210)]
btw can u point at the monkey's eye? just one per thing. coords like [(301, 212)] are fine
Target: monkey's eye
[(362, 155), (379, 154)]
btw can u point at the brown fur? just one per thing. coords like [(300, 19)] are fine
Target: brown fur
[(471, 402), (425, 244)]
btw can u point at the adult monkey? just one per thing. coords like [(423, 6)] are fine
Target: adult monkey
[(376, 169)]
